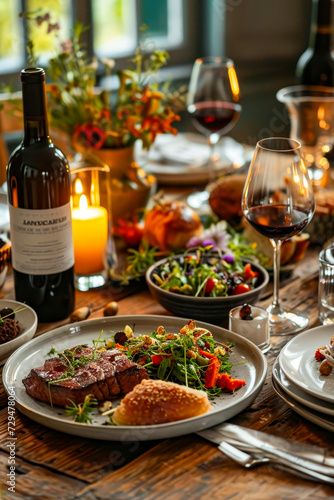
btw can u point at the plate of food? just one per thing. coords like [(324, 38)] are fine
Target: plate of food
[(301, 363), (157, 388), (18, 324)]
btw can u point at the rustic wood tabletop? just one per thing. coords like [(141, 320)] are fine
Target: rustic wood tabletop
[(54, 465)]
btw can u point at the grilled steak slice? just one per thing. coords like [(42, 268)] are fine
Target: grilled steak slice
[(96, 378), (103, 376), (128, 373)]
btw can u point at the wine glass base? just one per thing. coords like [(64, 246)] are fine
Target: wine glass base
[(198, 200), (286, 323)]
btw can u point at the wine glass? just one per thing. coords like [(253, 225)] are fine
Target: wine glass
[(213, 104), (278, 202)]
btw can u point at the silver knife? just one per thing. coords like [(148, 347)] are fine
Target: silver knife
[(310, 456)]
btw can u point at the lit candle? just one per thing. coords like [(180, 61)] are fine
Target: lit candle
[(90, 236)]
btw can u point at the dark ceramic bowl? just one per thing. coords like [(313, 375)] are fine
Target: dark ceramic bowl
[(210, 309)]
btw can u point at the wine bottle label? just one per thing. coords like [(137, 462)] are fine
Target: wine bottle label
[(42, 240)]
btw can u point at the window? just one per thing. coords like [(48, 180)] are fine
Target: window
[(114, 28)]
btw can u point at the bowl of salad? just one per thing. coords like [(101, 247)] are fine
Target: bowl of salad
[(205, 286)]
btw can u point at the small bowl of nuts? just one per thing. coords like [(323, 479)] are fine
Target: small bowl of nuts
[(18, 324)]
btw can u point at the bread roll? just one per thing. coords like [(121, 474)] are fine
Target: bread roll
[(158, 402), (226, 195), (170, 225)]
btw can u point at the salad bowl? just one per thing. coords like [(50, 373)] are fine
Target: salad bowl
[(213, 310)]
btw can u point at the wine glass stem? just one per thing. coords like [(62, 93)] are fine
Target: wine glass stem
[(276, 307), (212, 141)]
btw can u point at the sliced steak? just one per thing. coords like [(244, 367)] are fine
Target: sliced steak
[(103, 377), (96, 378), (128, 373)]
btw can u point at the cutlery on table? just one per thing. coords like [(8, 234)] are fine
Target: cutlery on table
[(309, 456), (248, 461)]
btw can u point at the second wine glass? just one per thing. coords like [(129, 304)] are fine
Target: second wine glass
[(278, 202), (213, 104)]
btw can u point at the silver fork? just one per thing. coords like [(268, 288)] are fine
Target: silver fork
[(248, 461)]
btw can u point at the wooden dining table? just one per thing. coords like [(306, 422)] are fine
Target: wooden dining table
[(55, 465)]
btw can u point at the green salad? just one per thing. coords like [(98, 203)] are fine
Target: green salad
[(190, 357), (206, 275)]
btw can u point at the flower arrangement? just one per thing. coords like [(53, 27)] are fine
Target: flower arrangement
[(95, 118)]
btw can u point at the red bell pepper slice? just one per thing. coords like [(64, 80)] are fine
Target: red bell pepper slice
[(211, 373), (225, 381), (122, 347), (249, 273), (157, 358), (205, 353)]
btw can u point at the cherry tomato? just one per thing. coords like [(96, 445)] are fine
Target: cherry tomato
[(210, 284), (241, 288)]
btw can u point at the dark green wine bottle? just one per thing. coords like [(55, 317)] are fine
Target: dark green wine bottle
[(40, 214), (316, 64)]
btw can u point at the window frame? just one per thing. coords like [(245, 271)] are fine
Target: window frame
[(182, 55)]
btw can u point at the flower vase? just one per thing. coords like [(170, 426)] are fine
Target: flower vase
[(131, 187)]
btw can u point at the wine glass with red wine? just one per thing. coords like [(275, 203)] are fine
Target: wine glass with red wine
[(278, 202), (213, 104)]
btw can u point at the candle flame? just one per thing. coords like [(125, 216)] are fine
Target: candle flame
[(83, 204), (78, 188)]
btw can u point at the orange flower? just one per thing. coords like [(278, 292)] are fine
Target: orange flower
[(89, 136)]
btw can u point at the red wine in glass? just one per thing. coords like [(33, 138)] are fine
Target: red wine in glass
[(277, 222), (278, 201), (213, 103), (212, 117)]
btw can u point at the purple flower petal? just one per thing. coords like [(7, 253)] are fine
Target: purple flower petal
[(209, 241), (229, 258)]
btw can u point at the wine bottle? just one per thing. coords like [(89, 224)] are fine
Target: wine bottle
[(316, 64), (40, 213)]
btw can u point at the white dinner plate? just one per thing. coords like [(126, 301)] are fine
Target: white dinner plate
[(298, 362), (182, 160), (33, 354), (298, 394), (324, 421)]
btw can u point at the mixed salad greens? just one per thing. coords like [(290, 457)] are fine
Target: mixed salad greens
[(191, 357), (206, 274)]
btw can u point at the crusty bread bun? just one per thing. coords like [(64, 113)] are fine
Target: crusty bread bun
[(226, 195), (158, 402), (170, 225)]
